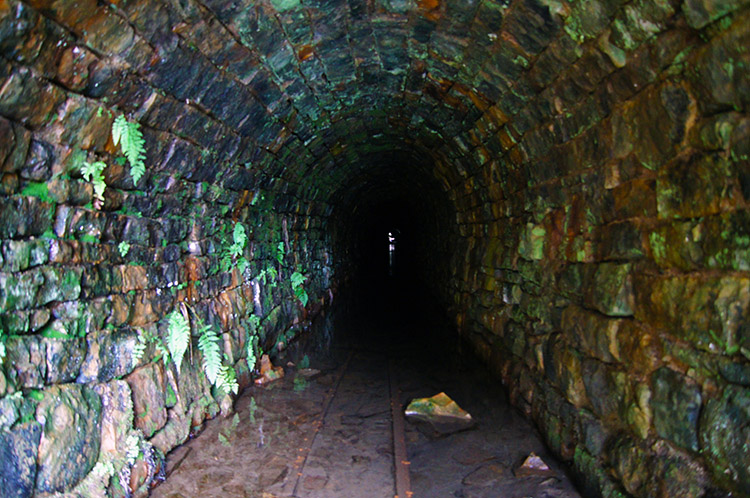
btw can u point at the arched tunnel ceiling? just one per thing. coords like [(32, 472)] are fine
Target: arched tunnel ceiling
[(310, 91), (355, 78)]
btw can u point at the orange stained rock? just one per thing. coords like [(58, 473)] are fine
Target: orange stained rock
[(428, 4), (244, 199), (477, 99), (431, 8), (305, 52)]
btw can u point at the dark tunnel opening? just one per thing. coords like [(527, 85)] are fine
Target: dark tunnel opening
[(398, 228)]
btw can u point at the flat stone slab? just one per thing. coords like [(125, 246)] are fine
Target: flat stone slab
[(440, 412)]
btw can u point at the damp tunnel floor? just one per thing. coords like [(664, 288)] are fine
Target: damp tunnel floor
[(331, 434)]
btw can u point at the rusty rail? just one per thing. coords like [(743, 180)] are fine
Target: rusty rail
[(400, 461), (302, 459)]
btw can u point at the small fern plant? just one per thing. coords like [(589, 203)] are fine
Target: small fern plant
[(123, 247), (233, 253), (130, 138), (226, 381), (251, 341), (208, 344), (139, 348), (297, 279), (178, 336), (92, 172)]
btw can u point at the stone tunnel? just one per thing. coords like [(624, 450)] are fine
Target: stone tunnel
[(570, 179)]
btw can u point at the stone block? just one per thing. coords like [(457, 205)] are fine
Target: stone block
[(85, 127), (610, 289), (707, 311), (27, 362), (607, 389), (594, 434), (719, 72), (699, 13), (24, 216), (14, 140), (117, 416), (29, 100), (108, 355), (676, 405), (619, 241), (60, 284), (594, 334), (69, 446), (640, 350), (18, 467), (20, 255), (658, 470), (695, 187), (107, 32), (563, 368), (147, 384), (64, 358), (725, 435), (531, 243)]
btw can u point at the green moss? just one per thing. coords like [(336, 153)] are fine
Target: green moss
[(38, 190), (89, 239), (658, 246), (171, 398)]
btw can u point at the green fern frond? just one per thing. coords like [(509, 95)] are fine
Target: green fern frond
[(130, 138), (138, 349), (123, 247), (178, 337), (252, 358), (273, 273), (297, 279), (240, 239), (208, 344), (227, 379), (92, 172)]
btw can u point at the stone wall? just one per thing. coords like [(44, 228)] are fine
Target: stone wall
[(81, 409), (593, 159), (607, 272)]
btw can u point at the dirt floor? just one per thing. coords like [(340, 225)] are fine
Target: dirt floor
[(330, 434)]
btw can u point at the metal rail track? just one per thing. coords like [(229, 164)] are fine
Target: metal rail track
[(402, 485)]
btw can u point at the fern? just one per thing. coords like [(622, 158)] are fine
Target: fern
[(252, 358), (130, 138), (233, 252), (123, 247), (226, 381), (298, 279), (178, 337), (280, 252), (92, 172), (240, 239), (138, 350), (208, 343)]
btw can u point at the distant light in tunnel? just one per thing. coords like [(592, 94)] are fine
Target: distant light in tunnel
[(391, 251)]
